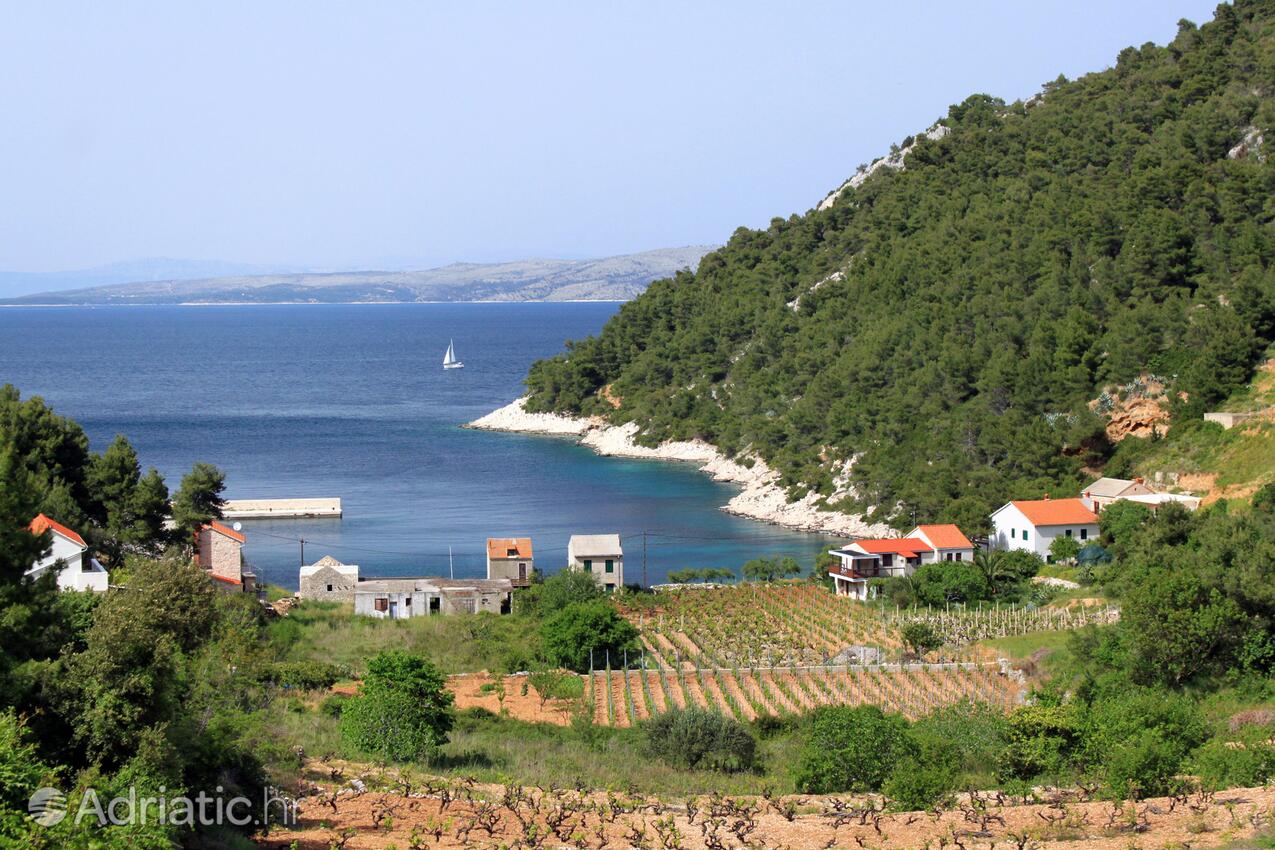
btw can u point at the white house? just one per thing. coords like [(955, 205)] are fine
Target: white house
[(403, 598), (1104, 491), (69, 556), (600, 555), (1033, 525), (887, 557)]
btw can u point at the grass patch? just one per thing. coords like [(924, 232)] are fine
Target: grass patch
[(458, 643), (1021, 648)]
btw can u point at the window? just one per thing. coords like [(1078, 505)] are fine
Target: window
[(1084, 534), (329, 588), (588, 565), (887, 560), (610, 565), (958, 556), (1013, 533), (1068, 532), (381, 604), (1024, 534), (408, 602)]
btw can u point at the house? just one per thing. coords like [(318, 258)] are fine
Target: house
[(1032, 525), (1155, 500), (328, 580), (600, 555), (887, 557), (401, 598), (1104, 491), (220, 554), (69, 557), (510, 557), (947, 541)]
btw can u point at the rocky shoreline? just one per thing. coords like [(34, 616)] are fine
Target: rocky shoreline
[(760, 497)]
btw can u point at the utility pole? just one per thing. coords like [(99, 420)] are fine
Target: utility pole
[(645, 583), (451, 566), (302, 542)]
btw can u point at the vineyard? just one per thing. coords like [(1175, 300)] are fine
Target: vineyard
[(799, 624), (624, 697)]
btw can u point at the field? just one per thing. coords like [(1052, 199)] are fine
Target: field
[(404, 810), (799, 624), (622, 698)]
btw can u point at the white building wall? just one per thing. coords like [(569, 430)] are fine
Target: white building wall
[(1010, 524)]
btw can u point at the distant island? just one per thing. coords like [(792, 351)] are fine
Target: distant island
[(608, 279)]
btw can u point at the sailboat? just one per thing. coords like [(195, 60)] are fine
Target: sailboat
[(449, 359)]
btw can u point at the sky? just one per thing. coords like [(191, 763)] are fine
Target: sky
[(415, 134)]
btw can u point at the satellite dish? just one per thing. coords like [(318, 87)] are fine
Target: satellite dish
[(237, 526)]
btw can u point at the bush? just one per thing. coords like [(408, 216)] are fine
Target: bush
[(1040, 740), (699, 739), (556, 593), (1230, 764), (585, 630), (333, 705), (403, 710), (920, 637), (1137, 741), (950, 581), (303, 675), (851, 749)]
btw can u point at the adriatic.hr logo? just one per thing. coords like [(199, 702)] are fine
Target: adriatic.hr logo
[(47, 806)]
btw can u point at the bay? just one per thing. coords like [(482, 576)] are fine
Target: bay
[(351, 401)]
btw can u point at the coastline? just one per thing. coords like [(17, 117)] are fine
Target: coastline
[(760, 497)]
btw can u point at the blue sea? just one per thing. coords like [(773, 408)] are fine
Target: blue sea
[(351, 401)]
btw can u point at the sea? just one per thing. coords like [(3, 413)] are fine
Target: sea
[(351, 401)]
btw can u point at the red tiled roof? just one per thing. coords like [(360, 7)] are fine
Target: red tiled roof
[(498, 547), (909, 547), (226, 530), (42, 523), (1056, 512), (216, 577), (946, 536)]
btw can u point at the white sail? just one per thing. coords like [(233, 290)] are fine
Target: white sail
[(449, 359)]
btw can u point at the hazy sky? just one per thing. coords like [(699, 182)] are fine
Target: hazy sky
[(375, 134)]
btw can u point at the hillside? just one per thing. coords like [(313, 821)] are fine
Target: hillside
[(941, 322), (608, 279)]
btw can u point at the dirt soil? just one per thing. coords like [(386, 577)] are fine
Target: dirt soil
[(423, 812), (467, 689)]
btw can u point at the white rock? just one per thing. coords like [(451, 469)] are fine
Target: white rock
[(760, 498)]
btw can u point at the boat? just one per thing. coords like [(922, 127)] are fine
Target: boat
[(449, 359)]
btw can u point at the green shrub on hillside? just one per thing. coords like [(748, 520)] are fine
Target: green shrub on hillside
[(851, 750), (403, 710), (587, 632), (697, 738)]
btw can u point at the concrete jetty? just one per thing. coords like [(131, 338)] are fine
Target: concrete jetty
[(280, 508)]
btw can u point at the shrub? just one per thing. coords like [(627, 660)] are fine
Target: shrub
[(1137, 741), (1229, 764), (333, 705), (697, 738), (583, 630), (556, 593), (303, 675), (1040, 740), (403, 710), (851, 749), (950, 581), (920, 637)]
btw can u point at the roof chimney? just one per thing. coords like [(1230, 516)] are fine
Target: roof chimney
[(1139, 480)]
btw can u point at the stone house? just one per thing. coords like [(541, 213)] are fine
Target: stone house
[(510, 557), (219, 551), (599, 555), (328, 580)]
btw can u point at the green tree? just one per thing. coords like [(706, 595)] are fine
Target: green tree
[(949, 581), (198, 500), (547, 683), (1064, 549), (557, 592), (403, 710), (851, 750), (1177, 626), (920, 637), (585, 631)]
